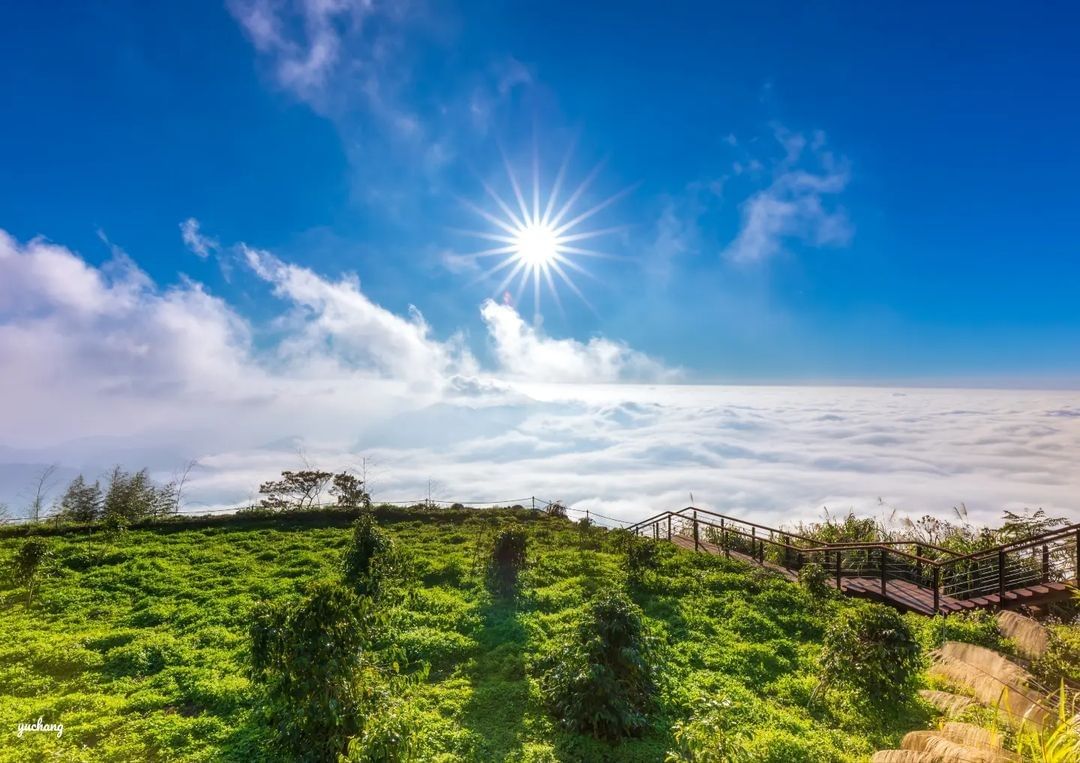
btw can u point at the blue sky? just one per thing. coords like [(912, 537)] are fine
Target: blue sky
[(822, 192)]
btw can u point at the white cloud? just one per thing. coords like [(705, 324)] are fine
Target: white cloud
[(522, 351), (336, 326), (103, 366), (104, 352), (303, 40), (795, 205), (199, 244)]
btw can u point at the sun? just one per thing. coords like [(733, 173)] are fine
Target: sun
[(539, 240), (536, 245)]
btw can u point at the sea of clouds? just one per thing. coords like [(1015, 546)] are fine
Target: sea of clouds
[(104, 366)]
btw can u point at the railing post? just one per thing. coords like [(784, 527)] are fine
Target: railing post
[(656, 531), (695, 532), (839, 557), (727, 545), (884, 568), (918, 563), (669, 527), (1076, 570), (937, 587), (761, 551), (1001, 578), (1046, 564), (753, 543)]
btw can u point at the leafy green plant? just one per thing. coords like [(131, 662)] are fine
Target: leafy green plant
[(507, 560), (710, 735), (977, 627), (1062, 657), (387, 737), (313, 658), (812, 577), (602, 681), (30, 565), (1059, 743), (642, 556), (871, 650), (369, 558)]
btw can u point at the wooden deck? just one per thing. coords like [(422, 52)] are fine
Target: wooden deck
[(903, 594)]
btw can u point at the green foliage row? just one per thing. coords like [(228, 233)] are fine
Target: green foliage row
[(141, 644)]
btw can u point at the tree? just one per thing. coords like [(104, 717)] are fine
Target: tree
[(30, 565), (314, 660), (41, 491), (602, 682), (82, 502), (349, 491), (131, 497), (295, 491)]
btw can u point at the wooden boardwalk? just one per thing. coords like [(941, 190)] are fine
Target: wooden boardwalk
[(1060, 551)]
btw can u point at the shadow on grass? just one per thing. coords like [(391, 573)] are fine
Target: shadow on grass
[(496, 708)]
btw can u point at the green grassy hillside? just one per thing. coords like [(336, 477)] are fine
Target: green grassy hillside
[(138, 644)]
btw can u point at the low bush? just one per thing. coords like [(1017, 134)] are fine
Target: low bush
[(312, 658), (872, 650), (812, 577), (642, 556), (602, 681), (30, 565), (370, 559), (507, 560), (1062, 657)]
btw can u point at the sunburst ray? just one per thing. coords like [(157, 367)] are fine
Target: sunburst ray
[(540, 238)]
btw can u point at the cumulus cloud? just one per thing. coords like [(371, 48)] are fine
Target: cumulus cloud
[(103, 366), (522, 351), (104, 352), (199, 244), (336, 325), (795, 206)]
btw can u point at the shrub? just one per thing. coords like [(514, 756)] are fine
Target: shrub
[(712, 734), (369, 559), (556, 509), (386, 738), (872, 650), (142, 657), (313, 659), (642, 555), (1062, 657), (812, 577), (978, 627), (601, 682), (507, 561), (30, 565)]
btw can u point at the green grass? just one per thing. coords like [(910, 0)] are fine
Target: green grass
[(138, 645)]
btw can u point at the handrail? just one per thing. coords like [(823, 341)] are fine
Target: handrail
[(1019, 545), (742, 522), (989, 575), (1058, 534)]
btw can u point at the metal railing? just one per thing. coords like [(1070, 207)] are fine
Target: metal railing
[(939, 572)]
